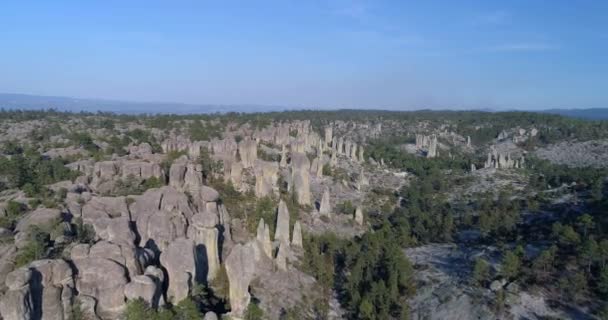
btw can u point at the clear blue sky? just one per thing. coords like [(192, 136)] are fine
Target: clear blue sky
[(308, 53)]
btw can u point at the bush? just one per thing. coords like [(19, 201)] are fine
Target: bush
[(35, 249), (254, 312), (14, 210), (345, 207)]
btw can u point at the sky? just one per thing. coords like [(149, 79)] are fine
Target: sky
[(517, 54)]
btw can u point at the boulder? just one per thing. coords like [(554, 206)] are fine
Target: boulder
[(210, 315), (497, 285), (209, 194)]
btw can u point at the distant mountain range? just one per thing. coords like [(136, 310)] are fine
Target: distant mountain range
[(36, 102), (589, 114)]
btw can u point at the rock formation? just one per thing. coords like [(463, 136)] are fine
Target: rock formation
[(359, 215), (203, 230), (147, 288), (324, 205), (499, 160), (300, 181), (18, 302), (248, 151), (428, 143), (266, 177), (296, 237), (282, 230), (328, 135), (240, 269), (281, 259), (180, 262), (263, 238)]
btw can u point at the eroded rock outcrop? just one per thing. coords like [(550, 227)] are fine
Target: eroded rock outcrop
[(240, 269), (359, 215), (147, 288), (104, 281), (296, 237), (263, 238), (266, 177), (300, 180), (203, 230), (324, 205), (282, 230), (180, 262), (248, 150), (281, 258), (18, 302)]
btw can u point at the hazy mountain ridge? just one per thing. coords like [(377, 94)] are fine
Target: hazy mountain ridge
[(32, 102)]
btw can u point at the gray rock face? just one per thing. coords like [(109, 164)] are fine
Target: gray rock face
[(175, 143), (281, 259), (52, 286), (210, 315), (302, 188), (146, 288), (225, 148), (281, 233), (104, 207), (361, 157), (263, 238), (104, 280), (500, 160), (117, 231), (18, 303), (248, 150), (296, 240), (161, 216), (266, 177), (325, 206), (161, 228), (205, 234), (428, 143), (39, 217), (432, 152), (141, 170), (300, 166), (240, 268), (283, 162), (359, 215), (179, 261), (236, 174), (132, 258), (329, 135)]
